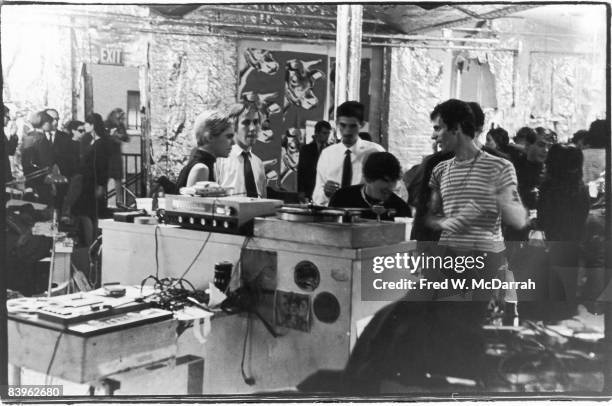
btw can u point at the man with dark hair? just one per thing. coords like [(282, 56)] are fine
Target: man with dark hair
[(499, 141), (420, 231), (381, 171), (520, 139), (471, 194), (530, 168), (37, 154), (472, 179), (579, 138), (242, 170), (546, 132), (340, 165), (63, 151), (309, 156)]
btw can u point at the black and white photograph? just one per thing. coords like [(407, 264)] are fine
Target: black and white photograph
[(305, 202)]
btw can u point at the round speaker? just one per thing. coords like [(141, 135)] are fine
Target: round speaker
[(326, 307), (307, 276)]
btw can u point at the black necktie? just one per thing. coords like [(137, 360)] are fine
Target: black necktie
[(249, 178), (347, 170)]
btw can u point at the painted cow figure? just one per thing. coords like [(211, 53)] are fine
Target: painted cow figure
[(300, 79)]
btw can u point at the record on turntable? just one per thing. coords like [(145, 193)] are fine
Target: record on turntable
[(319, 214), (206, 189)]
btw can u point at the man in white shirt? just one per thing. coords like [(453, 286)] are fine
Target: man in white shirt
[(242, 170), (340, 165)]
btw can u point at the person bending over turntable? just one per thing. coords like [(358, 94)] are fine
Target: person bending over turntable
[(215, 136), (381, 171)]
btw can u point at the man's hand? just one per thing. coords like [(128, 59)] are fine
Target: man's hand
[(330, 188), (451, 224), (270, 164), (302, 197)]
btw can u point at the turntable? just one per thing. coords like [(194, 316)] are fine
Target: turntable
[(334, 227), (319, 214)]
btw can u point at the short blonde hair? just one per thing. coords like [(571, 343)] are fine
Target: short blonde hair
[(210, 123), (238, 108)]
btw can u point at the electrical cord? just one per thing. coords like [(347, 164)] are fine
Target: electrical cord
[(59, 337), (196, 257), (249, 380), (238, 264), (156, 252), (171, 294)]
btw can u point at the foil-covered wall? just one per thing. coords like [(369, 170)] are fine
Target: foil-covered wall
[(188, 75), (44, 49), (565, 96), (551, 80), (503, 66), (559, 78), (416, 86)]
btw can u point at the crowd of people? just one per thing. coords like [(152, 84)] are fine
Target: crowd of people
[(505, 199), (86, 155), (500, 197)]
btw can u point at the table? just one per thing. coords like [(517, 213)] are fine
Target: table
[(97, 360)]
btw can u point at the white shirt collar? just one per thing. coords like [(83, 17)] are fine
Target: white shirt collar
[(237, 151), (355, 147)]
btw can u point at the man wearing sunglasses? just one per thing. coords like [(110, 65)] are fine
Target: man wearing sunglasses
[(341, 165)]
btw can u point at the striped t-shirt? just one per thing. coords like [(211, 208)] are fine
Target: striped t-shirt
[(468, 190)]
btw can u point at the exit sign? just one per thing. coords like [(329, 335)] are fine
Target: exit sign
[(111, 56)]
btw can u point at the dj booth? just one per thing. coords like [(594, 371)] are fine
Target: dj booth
[(300, 309), (307, 274)]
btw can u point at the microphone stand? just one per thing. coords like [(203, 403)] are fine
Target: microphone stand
[(54, 179)]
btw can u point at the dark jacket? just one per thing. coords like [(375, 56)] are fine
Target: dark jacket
[(64, 154), (307, 169), (10, 147), (94, 172), (529, 175), (562, 211), (36, 152)]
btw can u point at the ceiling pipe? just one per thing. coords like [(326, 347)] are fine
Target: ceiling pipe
[(279, 14), (306, 32), (74, 12), (474, 30), (453, 47)]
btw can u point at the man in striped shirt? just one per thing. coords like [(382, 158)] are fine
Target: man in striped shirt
[(471, 194)]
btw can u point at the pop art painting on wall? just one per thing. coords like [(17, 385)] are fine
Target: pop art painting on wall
[(289, 89)]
